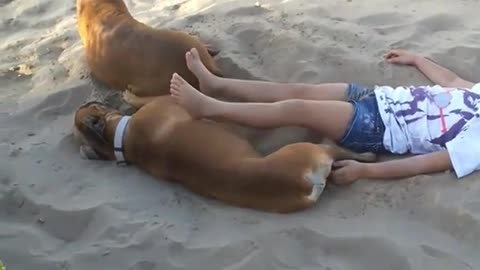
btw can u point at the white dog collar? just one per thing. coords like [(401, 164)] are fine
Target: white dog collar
[(118, 140)]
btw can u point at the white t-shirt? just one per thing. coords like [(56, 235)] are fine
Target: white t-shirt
[(426, 119)]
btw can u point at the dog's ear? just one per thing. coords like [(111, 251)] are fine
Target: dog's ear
[(94, 129)]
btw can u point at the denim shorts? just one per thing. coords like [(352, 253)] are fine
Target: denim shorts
[(366, 129)]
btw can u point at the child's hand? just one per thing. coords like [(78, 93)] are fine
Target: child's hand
[(347, 171), (401, 57)]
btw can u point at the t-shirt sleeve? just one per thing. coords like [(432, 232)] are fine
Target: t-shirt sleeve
[(464, 149)]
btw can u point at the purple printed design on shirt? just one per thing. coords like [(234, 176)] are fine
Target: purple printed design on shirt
[(419, 94), (470, 99), (451, 133), (441, 100)]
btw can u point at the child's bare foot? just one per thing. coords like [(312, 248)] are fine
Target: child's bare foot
[(195, 102), (208, 81)]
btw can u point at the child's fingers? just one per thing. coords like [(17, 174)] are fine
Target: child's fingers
[(334, 175), (391, 55), (340, 163), (338, 177)]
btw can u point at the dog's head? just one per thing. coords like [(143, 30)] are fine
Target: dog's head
[(95, 7), (94, 128)]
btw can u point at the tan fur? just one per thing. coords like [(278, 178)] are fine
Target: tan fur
[(126, 54), (206, 158)]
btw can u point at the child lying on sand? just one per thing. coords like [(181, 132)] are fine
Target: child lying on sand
[(440, 122)]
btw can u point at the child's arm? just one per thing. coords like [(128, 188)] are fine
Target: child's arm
[(349, 171), (436, 73), (408, 167), (440, 75)]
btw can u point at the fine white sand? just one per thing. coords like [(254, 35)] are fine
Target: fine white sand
[(58, 211)]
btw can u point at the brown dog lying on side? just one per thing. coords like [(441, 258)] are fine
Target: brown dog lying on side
[(162, 139), (126, 54)]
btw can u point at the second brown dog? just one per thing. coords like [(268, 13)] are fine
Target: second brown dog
[(124, 53)]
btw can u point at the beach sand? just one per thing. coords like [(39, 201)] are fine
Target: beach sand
[(58, 211)]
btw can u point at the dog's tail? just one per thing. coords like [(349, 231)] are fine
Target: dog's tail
[(212, 51), (217, 71), (340, 153), (213, 67), (207, 52)]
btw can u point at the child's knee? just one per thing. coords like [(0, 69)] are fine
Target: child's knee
[(293, 106)]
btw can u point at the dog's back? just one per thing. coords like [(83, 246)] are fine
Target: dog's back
[(177, 135)]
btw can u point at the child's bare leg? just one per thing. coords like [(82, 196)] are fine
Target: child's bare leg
[(259, 91), (328, 118)]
